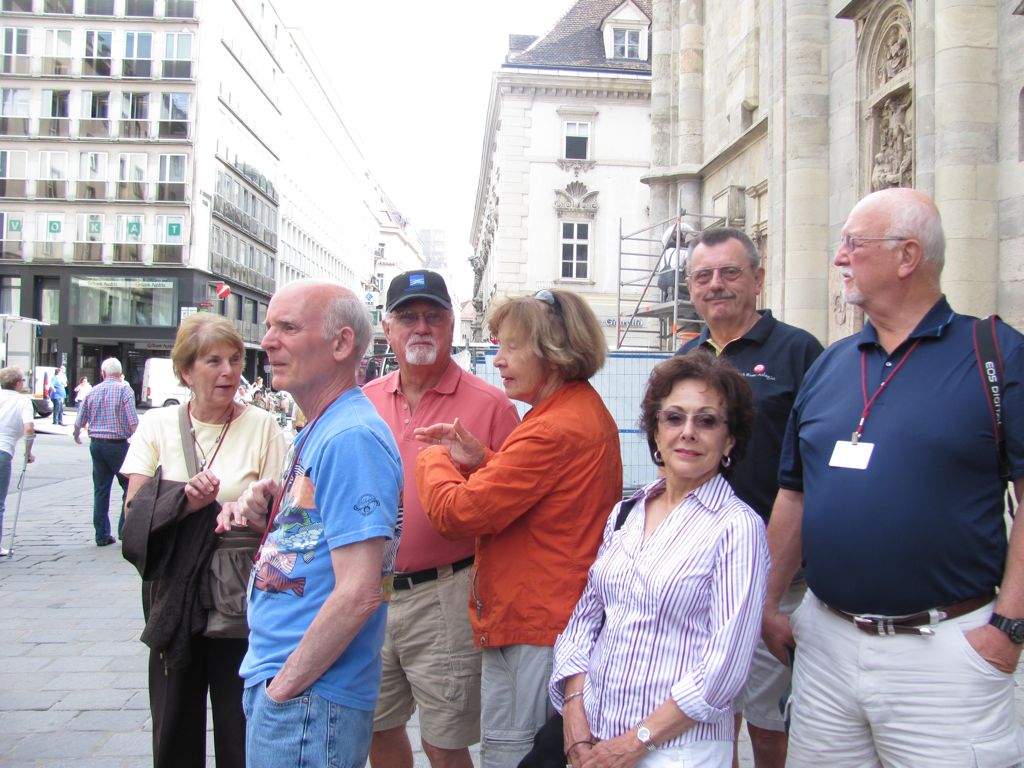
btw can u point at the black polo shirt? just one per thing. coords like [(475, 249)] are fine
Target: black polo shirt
[(773, 356)]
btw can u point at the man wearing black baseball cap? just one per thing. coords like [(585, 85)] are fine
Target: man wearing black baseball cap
[(418, 284), (428, 630)]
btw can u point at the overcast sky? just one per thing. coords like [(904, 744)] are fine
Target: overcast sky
[(414, 80)]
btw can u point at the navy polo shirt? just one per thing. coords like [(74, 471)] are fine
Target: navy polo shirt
[(922, 526), (773, 356)]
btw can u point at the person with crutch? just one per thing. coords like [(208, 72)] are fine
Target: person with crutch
[(15, 422)]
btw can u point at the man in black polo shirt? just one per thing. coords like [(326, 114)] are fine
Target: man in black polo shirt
[(725, 278)]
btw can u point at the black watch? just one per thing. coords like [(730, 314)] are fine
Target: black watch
[(1014, 628)]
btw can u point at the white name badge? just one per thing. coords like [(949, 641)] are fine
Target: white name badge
[(850, 455)]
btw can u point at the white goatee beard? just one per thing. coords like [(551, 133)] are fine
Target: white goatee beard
[(416, 354)]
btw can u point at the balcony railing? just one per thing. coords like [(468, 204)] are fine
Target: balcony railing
[(173, 129), (47, 250), (56, 65), (53, 189), (130, 253), (91, 190), (131, 190), (170, 191), (54, 126), (174, 69), (180, 9), (135, 129), (168, 254), (96, 67), (14, 126), (15, 65), (13, 188), (12, 250), (92, 252), (137, 68), (94, 127)]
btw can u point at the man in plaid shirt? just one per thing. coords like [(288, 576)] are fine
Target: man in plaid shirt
[(109, 415)]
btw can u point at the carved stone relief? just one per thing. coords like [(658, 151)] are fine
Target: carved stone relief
[(893, 164), (576, 166), (576, 201)]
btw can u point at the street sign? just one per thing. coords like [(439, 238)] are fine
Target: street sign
[(186, 311), (223, 291)]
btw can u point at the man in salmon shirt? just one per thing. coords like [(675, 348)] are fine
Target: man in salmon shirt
[(428, 626)]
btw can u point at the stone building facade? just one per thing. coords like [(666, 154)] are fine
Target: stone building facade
[(567, 140), (788, 111)]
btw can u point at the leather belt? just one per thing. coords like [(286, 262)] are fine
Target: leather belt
[(913, 623), (411, 579)]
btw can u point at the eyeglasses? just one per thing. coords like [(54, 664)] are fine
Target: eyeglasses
[(673, 420), (410, 319), (730, 273), (851, 243), (550, 299)]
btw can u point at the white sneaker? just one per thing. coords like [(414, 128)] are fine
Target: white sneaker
[(4, 552)]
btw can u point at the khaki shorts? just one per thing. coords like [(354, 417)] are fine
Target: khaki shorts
[(430, 662)]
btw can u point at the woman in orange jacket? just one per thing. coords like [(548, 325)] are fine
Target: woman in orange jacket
[(537, 506)]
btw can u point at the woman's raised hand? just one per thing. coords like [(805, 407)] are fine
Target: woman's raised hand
[(463, 447)]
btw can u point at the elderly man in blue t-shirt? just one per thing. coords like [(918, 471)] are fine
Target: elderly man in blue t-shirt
[(892, 495), (317, 609)]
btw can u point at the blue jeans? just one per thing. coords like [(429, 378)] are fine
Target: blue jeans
[(107, 459), (5, 482), (58, 410), (305, 732)]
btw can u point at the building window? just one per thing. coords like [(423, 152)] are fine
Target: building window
[(626, 43), (15, 59), (92, 176), (89, 237), (97, 58), (55, 116), (169, 240), (59, 6), (575, 250), (50, 237), (150, 301), (577, 140), (131, 176), (128, 237), (53, 175), (14, 111), (180, 9), (99, 7), (138, 7), (10, 291), (17, 6), (13, 173), (171, 186), (95, 114), (138, 54), (57, 52), (135, 115), (174, 108), (178, 55), (13, 249), (48, 296)]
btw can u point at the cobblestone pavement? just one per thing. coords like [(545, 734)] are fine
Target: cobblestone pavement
[(72, 669)]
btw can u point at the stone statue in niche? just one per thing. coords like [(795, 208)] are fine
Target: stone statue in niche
[(895, 54), (893, 164)]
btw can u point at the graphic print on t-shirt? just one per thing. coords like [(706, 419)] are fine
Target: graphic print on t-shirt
[(297, 530)]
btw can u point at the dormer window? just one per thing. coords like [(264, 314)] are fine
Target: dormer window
[(626, 43), (626, 31)]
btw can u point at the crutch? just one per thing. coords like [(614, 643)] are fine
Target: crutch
[(17, 507)]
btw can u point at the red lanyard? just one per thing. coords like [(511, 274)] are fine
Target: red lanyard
[(864, 387)]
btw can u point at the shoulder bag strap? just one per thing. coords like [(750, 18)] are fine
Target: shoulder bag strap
[(188, 447), (990, 366)]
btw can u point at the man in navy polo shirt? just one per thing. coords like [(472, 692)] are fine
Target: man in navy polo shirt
[(891, 493), (725, 277)]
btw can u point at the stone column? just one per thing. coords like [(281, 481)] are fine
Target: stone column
[(966, 150), (804, 144)]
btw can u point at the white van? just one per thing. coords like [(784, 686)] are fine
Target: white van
[(159, 384)]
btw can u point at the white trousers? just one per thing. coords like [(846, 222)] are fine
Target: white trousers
[(861, 701), (699, 754)]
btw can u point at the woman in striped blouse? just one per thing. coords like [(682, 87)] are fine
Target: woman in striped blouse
[(662, 637)]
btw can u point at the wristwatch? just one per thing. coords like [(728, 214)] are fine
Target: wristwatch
[(1014, 628), (643, 733)]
